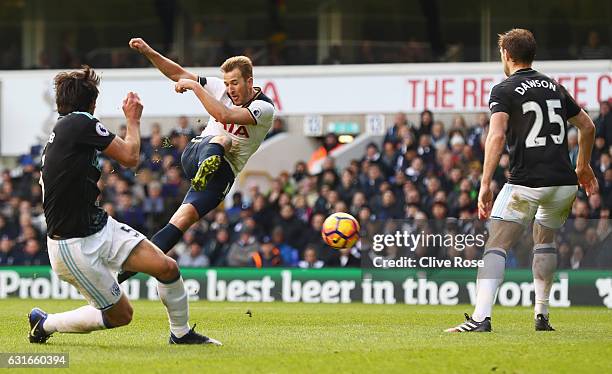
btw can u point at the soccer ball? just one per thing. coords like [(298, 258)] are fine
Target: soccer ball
[(340, 230)]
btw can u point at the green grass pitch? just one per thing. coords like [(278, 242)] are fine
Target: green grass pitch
[(351, 338)]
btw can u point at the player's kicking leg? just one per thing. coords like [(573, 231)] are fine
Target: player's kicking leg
[(196, 203), (209, 155)]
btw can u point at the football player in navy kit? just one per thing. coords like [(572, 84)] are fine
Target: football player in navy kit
[(529, 113)]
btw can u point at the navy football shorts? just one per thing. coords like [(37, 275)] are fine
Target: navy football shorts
[(219, 184)]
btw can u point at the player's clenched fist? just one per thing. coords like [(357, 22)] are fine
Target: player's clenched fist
[(132, 107), (139, 45), (183, 85)]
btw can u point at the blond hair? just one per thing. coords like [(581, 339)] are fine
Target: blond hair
[(242, 63)]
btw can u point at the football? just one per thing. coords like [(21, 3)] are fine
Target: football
[(340, 230)]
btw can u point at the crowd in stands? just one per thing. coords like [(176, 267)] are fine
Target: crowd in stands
[(205, 47), (421, 174)]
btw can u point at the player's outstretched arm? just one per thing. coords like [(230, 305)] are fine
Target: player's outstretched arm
[(223, 114), (494, 146), (168, 67), (127, 151), (586, 139)]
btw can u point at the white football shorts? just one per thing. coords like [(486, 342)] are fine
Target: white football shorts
[(549, 205), (90, 263)]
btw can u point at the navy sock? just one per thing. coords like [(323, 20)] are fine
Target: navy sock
[(167, 237)]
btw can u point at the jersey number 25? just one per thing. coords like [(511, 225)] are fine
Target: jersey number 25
[(533, 140)]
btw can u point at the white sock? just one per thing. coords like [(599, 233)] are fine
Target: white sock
[(174, 297), (82, 320), (543, 267), (489, 278)]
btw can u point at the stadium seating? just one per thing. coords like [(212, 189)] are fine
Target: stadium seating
[(412, 172)]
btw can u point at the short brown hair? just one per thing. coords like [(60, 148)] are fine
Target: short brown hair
[(242, 63), (520, 44), (76, 91)]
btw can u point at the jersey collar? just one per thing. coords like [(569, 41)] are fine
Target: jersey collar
[(77, 112), (523, 70), (257, 93)]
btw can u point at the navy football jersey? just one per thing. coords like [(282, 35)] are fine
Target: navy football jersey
[(70, 174), (538, 108)]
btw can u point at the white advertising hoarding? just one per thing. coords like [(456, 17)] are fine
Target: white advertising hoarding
[(27, 103)]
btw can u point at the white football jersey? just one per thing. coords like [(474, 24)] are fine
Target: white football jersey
[(246, 139)]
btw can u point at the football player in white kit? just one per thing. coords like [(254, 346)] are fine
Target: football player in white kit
[(240, 117)]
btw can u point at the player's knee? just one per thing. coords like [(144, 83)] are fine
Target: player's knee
[(542, 234), (170, 270), (225, 141), (504, 234), (173, 269)]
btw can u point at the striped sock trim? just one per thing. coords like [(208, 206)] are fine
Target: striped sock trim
[(498, 252), (170, 281), (545, 248)]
